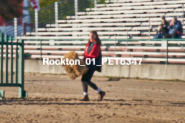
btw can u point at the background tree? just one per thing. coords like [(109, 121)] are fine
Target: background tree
[(10, 9)]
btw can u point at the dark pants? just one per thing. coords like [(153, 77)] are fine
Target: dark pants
[(86, 80), (166, 35), (173, 35)]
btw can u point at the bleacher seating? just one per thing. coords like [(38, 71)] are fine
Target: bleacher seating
[(118, 19), (125, 4)]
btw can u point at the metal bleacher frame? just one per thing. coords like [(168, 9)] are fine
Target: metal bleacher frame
[(72, 34)]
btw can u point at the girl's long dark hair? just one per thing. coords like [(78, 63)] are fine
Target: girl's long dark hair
[(98, 41)]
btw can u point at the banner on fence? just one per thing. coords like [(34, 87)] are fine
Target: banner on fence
[(35, 4)]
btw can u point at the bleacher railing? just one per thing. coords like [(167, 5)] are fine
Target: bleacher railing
[(167, 51), (53, 13)]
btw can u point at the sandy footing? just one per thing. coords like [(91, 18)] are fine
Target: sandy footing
[(55, 99)]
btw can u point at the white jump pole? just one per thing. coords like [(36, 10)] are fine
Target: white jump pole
[(15, 28), (76, 8), (36, 22), (95, 3), (56, 14), (56, 17)]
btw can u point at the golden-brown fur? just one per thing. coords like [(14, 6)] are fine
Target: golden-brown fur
[(74, 71)]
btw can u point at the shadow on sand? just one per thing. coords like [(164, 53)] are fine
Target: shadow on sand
[(74, 101)]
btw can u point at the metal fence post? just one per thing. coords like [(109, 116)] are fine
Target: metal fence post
[(56, 14), (76, 8), (16, 61), (115, 45), (40, 49), (183, 13), (166, 52), (149, 28), (6, 40), (95, 3), (36, 22), (2, 42), (15, 28), (16, 52), (11, 73), (22, 92), (127, 40)]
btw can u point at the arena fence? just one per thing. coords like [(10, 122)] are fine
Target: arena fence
[(12, 64), (160, 51)]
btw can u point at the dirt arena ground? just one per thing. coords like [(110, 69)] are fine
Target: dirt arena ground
[(55, 99)]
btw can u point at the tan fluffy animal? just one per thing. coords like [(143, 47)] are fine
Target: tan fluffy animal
[(74, 71)]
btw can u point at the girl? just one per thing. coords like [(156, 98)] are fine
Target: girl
[(92, 53)]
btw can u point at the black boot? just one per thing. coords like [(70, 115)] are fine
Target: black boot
[(85, 98), (101, 95)]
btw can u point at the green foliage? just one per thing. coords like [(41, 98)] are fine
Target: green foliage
[(101, 2), (45, 3), (66, 8), (9, 10)]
